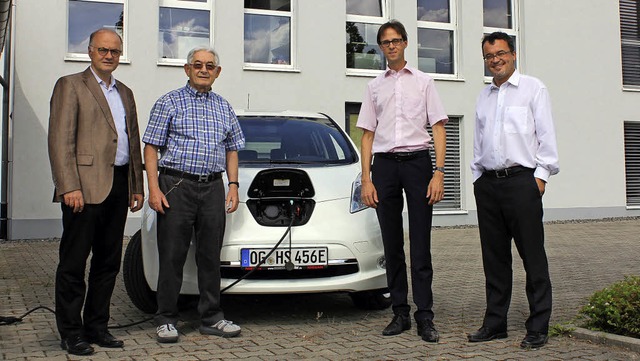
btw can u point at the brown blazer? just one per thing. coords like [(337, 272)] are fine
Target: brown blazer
[(83, 138)]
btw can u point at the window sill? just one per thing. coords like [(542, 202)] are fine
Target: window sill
[(447, 212), (633, 208), (175, 63), (631, 88), (87, 60), (267, 67)]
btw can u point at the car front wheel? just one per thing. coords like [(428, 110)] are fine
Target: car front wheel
[(372, 300), (134, 281)]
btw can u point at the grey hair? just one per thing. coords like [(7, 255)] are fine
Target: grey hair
[(208, 49)]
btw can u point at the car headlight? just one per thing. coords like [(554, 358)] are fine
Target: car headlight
[(356, 199)]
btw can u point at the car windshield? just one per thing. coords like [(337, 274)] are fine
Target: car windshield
[(294, 140)]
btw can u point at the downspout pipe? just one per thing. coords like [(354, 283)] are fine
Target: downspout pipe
[(5, 36)]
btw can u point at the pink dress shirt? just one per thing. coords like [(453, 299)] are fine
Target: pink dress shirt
[(397, 107)]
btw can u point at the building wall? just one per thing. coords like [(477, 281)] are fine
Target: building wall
[(572, 45)]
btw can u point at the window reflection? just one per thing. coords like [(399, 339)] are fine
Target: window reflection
[(435, 51), (181, 30), (85, 17), (267, 39), (278, 5), (364, 7), (362, 46), (433, 10), (497, 13)]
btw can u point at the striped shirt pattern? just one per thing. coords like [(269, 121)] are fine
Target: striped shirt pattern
[(193, 131)]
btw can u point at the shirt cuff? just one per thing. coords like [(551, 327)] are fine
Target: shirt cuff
[(542, 173)]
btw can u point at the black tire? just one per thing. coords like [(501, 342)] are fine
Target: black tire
[(134, 281), (372, 300)]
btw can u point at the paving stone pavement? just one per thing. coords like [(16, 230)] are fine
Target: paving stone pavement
[(584, 257)]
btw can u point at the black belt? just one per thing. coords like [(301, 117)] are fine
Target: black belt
[(506, 172), (403, 156), (192, 177)]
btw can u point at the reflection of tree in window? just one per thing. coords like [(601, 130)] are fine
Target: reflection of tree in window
[(358, 45), (120, 23)]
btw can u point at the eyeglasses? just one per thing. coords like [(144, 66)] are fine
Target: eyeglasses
[(501, 54), (198, 66), (103, 51), (395, 42)]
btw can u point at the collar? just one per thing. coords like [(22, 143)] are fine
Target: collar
[(192, 91), (112, 82), (514, 80), (405, 69)]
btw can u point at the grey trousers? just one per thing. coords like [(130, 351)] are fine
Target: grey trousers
[(193, 208)]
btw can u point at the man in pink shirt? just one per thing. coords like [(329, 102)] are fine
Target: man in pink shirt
[(398, 106)]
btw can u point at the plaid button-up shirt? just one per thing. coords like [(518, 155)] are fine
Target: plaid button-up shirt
[(193, 131)]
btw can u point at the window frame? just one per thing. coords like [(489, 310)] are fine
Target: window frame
[(365, 19), (293, 66), (69, 56), (629, 20), (452, 26), (513, 32), (631, 133), (452, 201), (208, 5)]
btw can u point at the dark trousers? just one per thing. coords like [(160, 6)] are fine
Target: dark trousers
[(512, 208), (98, 229), (390, 178), (194, 207)]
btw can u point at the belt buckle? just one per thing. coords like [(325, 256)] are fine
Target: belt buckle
[(203, 178), (504, 173)]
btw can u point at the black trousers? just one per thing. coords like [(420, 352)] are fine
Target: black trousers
[(390, 178), (98, 229), (509, 208), (194, 207)]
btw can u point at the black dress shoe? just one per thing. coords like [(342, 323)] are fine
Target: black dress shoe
[(399, 324), (76, 345), (427, 330), (105, 339), (534, 340), (486, 334)]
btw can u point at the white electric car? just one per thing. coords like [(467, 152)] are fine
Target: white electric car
[(299, 180)]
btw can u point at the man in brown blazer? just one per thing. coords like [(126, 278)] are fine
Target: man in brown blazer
[(96, 162)]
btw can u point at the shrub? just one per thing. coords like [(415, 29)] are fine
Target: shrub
[(615, 309)]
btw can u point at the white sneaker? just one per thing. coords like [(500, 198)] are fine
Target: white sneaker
[(222, 328), (167, 333)]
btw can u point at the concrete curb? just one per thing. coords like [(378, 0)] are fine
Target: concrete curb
[(633, 344)]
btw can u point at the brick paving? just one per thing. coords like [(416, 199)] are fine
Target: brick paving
[(584, 257)]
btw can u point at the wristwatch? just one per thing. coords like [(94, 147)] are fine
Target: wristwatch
[(440, 169)]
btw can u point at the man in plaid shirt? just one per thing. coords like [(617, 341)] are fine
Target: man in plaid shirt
[(198, 136)]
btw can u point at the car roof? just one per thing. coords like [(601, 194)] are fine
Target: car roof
[(284, 113)]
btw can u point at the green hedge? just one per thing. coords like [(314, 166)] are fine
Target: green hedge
[(615, 309)]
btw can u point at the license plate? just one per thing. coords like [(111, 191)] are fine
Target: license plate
[(302, 258)]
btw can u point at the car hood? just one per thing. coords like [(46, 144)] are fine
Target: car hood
[(329, 182)]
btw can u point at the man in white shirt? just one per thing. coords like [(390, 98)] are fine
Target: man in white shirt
[(515, 153)]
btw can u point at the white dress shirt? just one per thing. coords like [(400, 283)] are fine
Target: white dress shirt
[(514, 126)]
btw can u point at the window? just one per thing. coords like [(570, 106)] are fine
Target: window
[(452, 193), (436, 36), (632, 162), (87, 16), (630, 33), (500, 15), (364, 17), (268, 34), (183, 25)]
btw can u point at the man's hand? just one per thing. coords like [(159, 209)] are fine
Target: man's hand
[(75, 200), (135, 203), (231, 203), (157, 200), (369, 194), (541, 186), (435, 191)]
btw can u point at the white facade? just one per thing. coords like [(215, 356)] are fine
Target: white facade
[(573, 46)]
